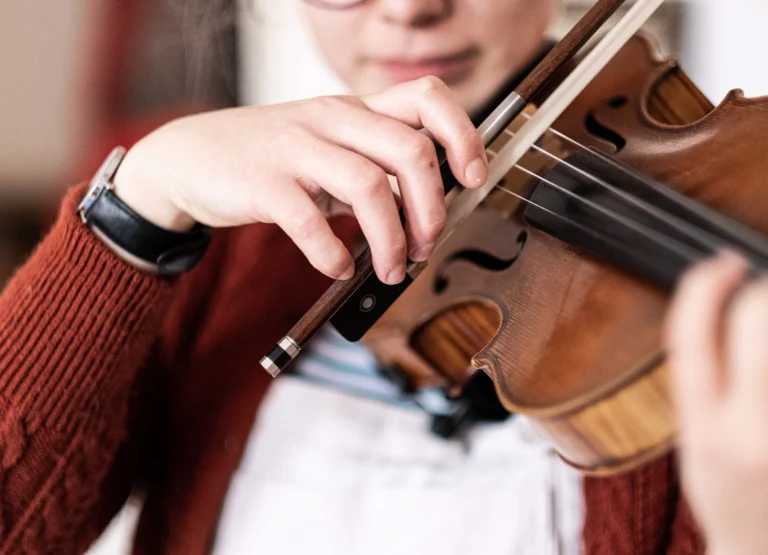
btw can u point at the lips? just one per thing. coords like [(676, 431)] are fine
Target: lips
[(449, 67)]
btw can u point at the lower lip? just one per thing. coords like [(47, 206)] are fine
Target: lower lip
[(448, 70)]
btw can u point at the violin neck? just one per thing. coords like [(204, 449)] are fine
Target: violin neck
[(601, 206)]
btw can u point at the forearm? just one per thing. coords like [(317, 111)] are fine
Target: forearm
[(76, 324)]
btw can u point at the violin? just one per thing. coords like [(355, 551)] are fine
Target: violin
[(555, 281)]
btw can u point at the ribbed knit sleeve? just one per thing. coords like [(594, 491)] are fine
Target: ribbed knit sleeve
[(640, 512), (76, 324)]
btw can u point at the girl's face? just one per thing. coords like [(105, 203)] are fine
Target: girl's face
[(472, 45)]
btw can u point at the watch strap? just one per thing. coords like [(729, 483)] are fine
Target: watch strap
[(170, 252)]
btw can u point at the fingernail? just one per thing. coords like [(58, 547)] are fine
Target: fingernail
[(396, 276), (420, 254), (348, 272), (477, 172)]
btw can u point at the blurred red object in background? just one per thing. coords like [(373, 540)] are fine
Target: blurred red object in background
[(109, 82)]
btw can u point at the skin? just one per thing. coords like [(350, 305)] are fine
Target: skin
[(383, 42), (296, 164), (348, 145), (718, 326)]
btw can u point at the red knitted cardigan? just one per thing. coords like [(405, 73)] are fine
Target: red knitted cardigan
[(113, 381)]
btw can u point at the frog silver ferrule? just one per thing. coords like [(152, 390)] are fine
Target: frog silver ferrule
[(281, 356)]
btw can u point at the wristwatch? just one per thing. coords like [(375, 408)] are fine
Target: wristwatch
[(136, 240)]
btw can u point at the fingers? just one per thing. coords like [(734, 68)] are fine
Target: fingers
[(399, 150), (363, 185), (356, 143), (428, 103), (747, 352), (694, 327), (301, 219)]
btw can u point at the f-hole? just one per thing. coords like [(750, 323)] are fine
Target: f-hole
[(598, 130), (480, 259)]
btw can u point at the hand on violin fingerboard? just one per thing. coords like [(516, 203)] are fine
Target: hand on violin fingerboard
[(718, 348)]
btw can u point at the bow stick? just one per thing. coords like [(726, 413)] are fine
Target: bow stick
[(463, 203)]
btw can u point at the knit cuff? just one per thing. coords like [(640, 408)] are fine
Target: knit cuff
[(76, 322)]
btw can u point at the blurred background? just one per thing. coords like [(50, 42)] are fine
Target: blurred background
[(81, 76)]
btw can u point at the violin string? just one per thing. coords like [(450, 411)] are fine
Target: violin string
[(687, 253), (549, 211), (665, 241), (677, 222), (704, 238), (557, 133)]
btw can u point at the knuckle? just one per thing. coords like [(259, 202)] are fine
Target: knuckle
[(336, 262), (473, 141), (431, 84), (419, 149), (287, 137), (329, 102), (307, 225), (312, 188), (370, 180), (325, 105), (339, 103), (434, 225)]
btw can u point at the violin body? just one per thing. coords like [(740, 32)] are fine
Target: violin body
[(572, 341)]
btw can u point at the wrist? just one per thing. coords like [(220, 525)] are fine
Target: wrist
[(132, 236), (133, 184)]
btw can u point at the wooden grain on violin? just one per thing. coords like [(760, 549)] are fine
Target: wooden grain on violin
[(626, 429), (567, 48), (570, 341)]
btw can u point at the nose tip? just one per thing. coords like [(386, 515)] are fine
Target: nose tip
[(415, 13)]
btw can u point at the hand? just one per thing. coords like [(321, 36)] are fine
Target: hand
[(295, 164), (718, 347)]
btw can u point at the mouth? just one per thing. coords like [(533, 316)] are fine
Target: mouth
[(450, 68)]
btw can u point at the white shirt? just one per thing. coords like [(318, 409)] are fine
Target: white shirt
[(328, 473)]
